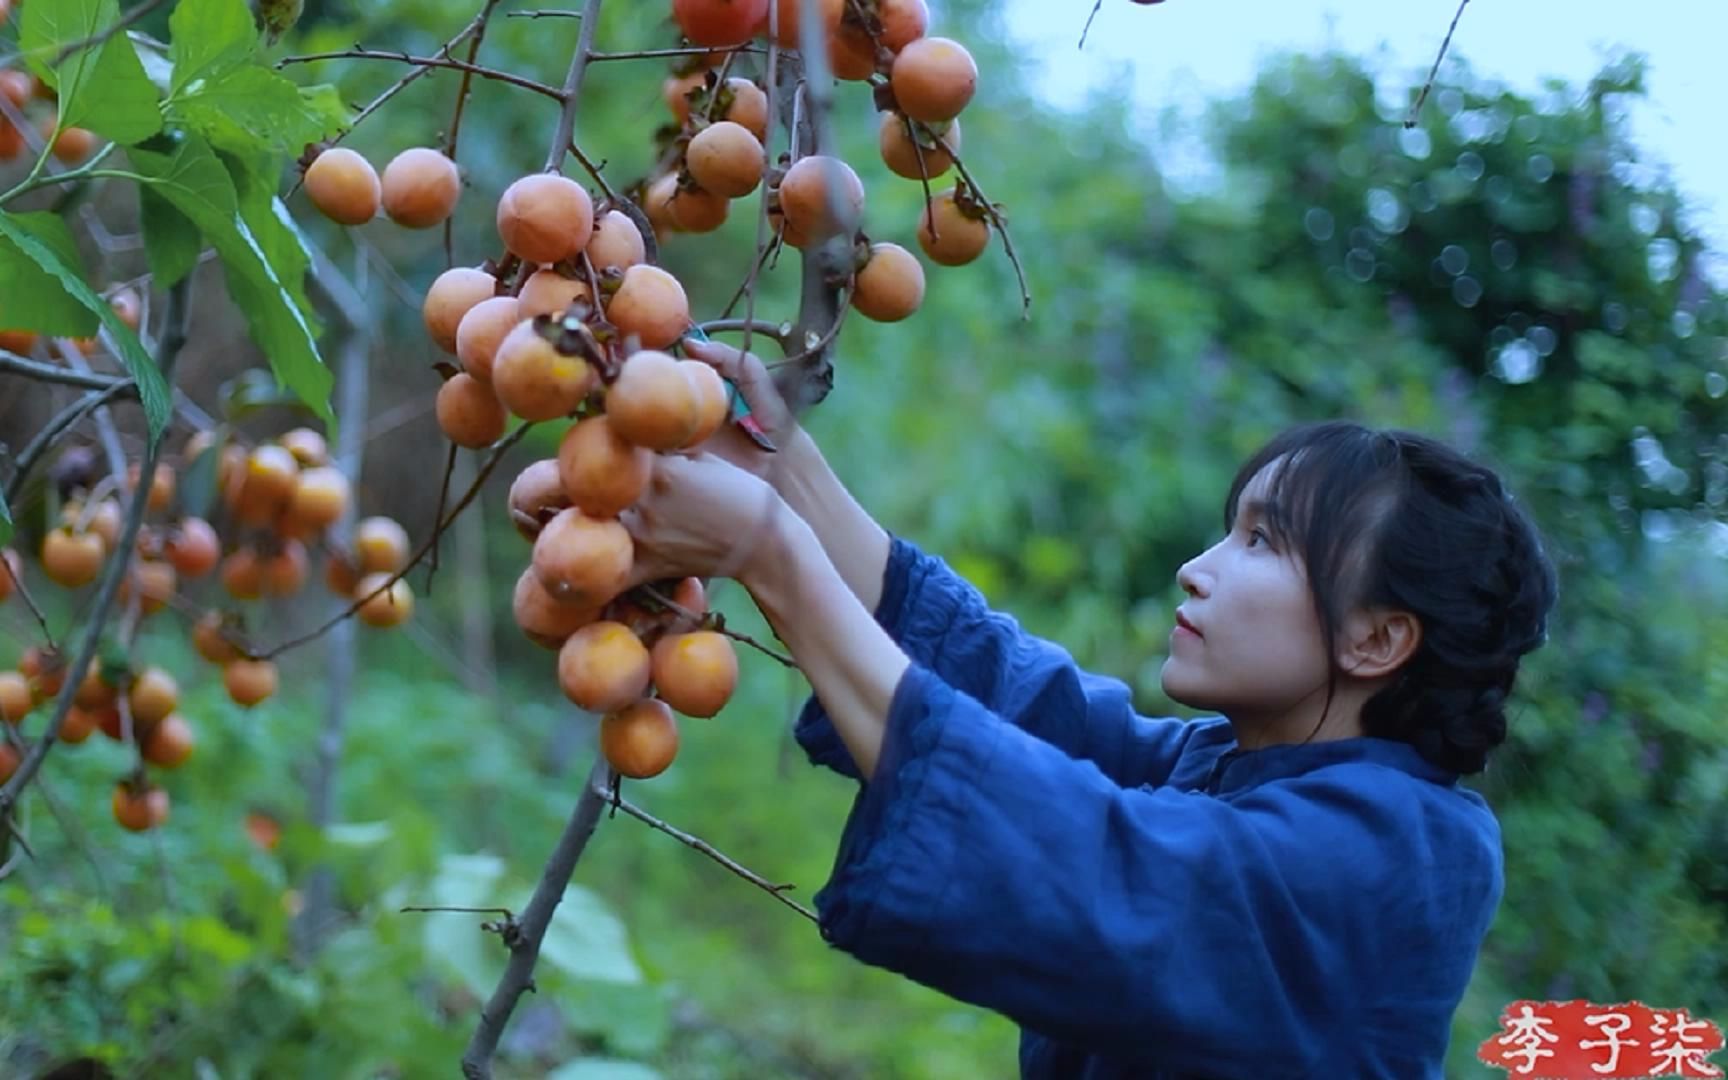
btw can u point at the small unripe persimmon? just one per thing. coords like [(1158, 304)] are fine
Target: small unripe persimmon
[(891, 285), (451, 296), (169, 743), (905, 148), (72, 559), (695, 673), (16, 701), (959, 237), (469, 412), (141, 809), (381, 545), (480, 332), (726, 159), (308, 447), (344, 186), (210, 641), (652, 305), (547, 292), (807, 202), (616, 242), (249, 682), (390, 607), (320, 498), (933, 79), (545, 218), (536, 381), (603, 666), (242, 574), (153, 694), (543, 619), (653, 403), (535, 495), (640, 740), (600, 473), (713, 400), (749, 107), (583, 560), (420, 188)]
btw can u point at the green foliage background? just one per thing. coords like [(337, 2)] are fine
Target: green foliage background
[(1509, 275)]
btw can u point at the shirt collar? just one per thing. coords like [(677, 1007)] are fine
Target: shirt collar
[(1236, 768)]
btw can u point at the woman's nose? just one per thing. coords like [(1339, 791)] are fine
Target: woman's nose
[(1194, 581)]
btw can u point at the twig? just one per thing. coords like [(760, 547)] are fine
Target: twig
[(1087, 29), (765, 241), (438, 514), (23, 590), (53, 373), (427, 62), (564, 135), (717, 623), (523, 936), (819, 344), (96, 41), (504, 911), (1416, 109), (1001, 224), (780, 332), (549, 13), (74, 835), (59, 425), (599, 177), (778, 892), (173, 339), (479, 35), (473, 491), (658, 54)]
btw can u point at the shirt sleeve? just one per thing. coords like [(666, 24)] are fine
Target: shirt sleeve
[(1168, 927), (944, 624)]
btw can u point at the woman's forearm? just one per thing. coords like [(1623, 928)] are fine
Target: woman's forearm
[(856, 545), (851, 662)]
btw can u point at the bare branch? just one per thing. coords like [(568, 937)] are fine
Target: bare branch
[(1087, 29), (778, 892), (1416, 110), (96, 41), (67, 419), (665, 54), (564, 135), (427, 62), (479, 35), (52, 373)]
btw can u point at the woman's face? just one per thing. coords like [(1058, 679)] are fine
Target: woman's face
[(1247, 642)]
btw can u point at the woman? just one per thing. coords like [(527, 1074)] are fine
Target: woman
[(1297, 886)]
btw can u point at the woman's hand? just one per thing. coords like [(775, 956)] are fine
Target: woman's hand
[(767, 407), (704, 517)]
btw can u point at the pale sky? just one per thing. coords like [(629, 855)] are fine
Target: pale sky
[(1180, 49)]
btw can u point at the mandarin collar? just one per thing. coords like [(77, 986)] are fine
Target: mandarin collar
[(1237, 769)]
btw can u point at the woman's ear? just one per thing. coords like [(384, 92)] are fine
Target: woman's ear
[(1377, 642)]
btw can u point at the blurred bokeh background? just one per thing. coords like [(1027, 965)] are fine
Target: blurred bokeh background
[(1522, 273)]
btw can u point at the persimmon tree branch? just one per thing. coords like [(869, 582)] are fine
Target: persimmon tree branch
[(478, 26), (50, 373), (358, 53), (564, 135), (1415, 116), (168, 353)]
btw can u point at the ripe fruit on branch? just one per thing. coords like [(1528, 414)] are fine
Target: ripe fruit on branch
[(934, 79), (890, 287), (270, 478), (141, 808), (726, 159), (599, 472), (581, 559), (285, 570), (469, 412), (822, 196), (535, 495), (452, 295), (73, 145), (44, 669), (542, 618), (900, 148), (79, 725), (249, 682), (381, 545), (653, 403), (603, 666), (16, 701), (169, 743), (712, 399), (71, 559), (8, 581), (480, 332), (154, 582), (651, 304), (676, 91), (547, 292), (961, 232), (242, 574), (210, 642), (640, 740), (790, 11), (320, 498), (536, 380), (389, 607), (748, 105), (344, 186), (9, 757), (420, 188), (695, 673), (616, 242), (153, 694), (694, 210), (719, 22), (903, 22), (545, 218), (307, 446)]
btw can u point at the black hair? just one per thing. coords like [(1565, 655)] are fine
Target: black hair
[(1399, 520)]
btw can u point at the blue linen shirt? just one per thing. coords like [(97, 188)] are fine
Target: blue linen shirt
[(1142, 896)]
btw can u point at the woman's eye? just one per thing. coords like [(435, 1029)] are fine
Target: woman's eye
[(1259, 534)]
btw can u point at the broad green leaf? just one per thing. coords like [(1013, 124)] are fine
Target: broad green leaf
[(194, 180), (103, 89), (172, 243), (257, 178), (209, 38), (152, 388), (31, 296), (250, 108), (454, 940), (586, 940)]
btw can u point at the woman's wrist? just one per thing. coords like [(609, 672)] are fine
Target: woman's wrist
[(774, 558)]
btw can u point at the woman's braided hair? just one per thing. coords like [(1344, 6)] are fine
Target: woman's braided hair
[(1398, 520)]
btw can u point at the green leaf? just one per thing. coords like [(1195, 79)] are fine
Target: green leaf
[(586, 940), (172, 243), (249, 109), (209, 38), (197, 481), (31, 296), (194, 180), (103, 89), (152, 388)]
